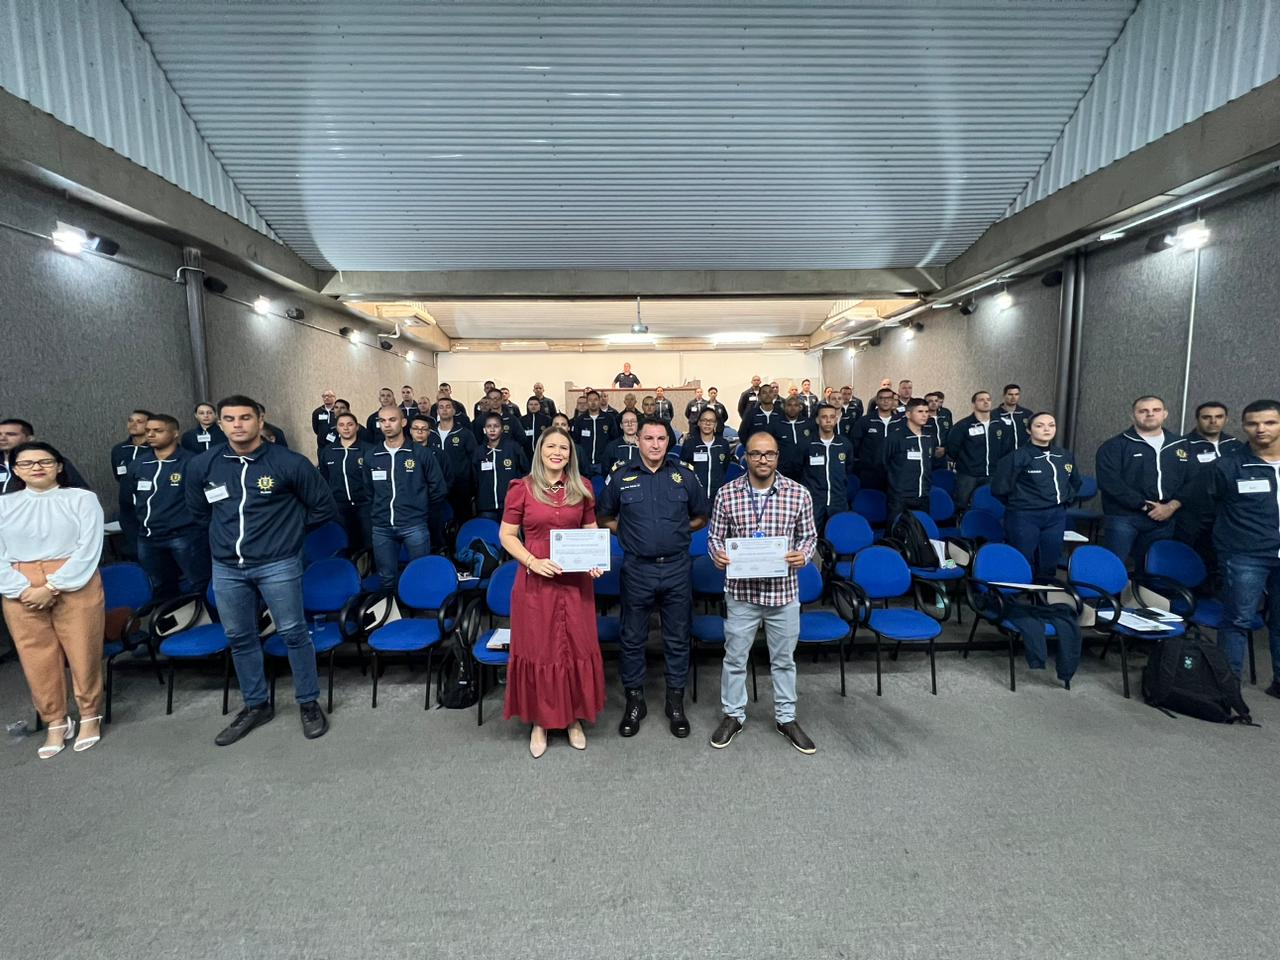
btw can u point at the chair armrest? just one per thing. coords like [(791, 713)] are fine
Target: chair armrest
[(967, 545), (826, 553), (845, 593), (195, 605), (366, 619), (985, 600), (1105, 624), (1164, 587), (929, 605), (349, 616), (452, 608)]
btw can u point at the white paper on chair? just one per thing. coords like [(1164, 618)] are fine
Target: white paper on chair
[(1070, 536), (500, 640), (1141, 624), (940, 549)]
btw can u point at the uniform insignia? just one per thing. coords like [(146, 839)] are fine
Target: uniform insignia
[(722, 458), (1067, 467), (409, 465), (175, 479), (842, 456), (455, 440), (676, 477), (631, 478), (507, 464), (1182, 454), (266, 483)]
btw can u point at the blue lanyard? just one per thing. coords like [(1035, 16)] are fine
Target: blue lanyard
[(759, 511)]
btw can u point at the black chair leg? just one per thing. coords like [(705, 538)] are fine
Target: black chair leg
[(168, 700), (841, 659), (480, 699), (1013, 680), (331, 653), (1253, 667), (1124, 664), (226, 680), (375, 680), (360, 653), (933, 670), (897, 648), (426, 703), (973, 630), (878, 685)]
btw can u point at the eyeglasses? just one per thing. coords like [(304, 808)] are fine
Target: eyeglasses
[(767, 455), (28, 464)]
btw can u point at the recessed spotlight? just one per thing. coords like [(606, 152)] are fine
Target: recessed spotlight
[(69, 239), (1004, 299), (1110, 235), (408, 357), (941, 304), (262, 305), (1193, 236)]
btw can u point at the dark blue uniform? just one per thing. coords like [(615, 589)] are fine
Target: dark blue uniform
[(709, 461), (493, 469), (1016, 419), (908, 464), (343, 470), (1036, 484), (793, 443), (941, 422), (123, 454), (1193, 523), (172, 547), (199, 440), (460, 416), (405, 482), (280, 439), (548, 405), (324, 421), (654, 510), (457, 449), (620, 453), (531, 426), (1131, 472), (849, 415), (593, 436), (510, 427), (1246, 535), (826, 476), (758, 419), (975, 447), (868, 435)]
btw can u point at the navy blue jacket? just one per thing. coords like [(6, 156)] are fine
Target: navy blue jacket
[(593, 437), (1016, 419), (974, 450), (323, 420), (156, 491), (258, 506), (404, 484), (278, 433), (198, 439), (908, 460), (1196, 494), (793, 442), (849, 415), (456, 452), (621, 453), (460, 415), (343, 469), (757, 419), (942, 423), (1244, 487), (1130, 472), (125, 453), (548, 405), (827, 477), (868, 436), (1036, 478), (708, 461), (494, 469), (653, 508), (510, 428), (530, 427)]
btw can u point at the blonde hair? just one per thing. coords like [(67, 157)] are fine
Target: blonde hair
[(575, 490)]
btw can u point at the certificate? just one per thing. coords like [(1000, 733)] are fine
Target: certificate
[(756, 558), (577, 551)]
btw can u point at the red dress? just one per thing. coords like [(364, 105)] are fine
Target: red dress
[(555, 675)]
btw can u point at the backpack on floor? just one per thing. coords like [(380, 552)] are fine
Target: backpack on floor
[(912, 540), (1193, 678), (478, 558), (457, 686)]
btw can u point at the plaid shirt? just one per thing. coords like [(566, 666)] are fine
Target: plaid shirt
[(788, 512)]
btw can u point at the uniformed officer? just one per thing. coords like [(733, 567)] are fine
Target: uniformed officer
[(624, 451), (1246, 535), (850, 409), (1036, 483), (459, 409), (592, 432), (480, 409), (172, 547), (494, 466), (548, 405), (408, 403), (693, 408), (808, 399), (324, 419), (713, 401), (258, 499), (456, 445), (942, 421), (707, 452), (492, 403), (662, 407), (653, 510), (122, 454), (1193, 524), (386, 398), (206, 434), (793, 434), (976, 444), (420, 430), (405, 481), (908, 460), (532, 424), (626, 379), (13, 433), (749, 397), (1014, 414), (868, 436), (765, 415), (342, 466), (905, 393), (828, 461)]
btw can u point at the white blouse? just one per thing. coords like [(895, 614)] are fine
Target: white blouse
[(61, 523)]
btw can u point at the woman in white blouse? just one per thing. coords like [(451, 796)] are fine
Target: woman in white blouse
[(50, 545)]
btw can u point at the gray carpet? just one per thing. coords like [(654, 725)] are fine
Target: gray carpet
[(979, 823)]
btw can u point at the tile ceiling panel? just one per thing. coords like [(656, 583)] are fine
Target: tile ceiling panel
[(384, 135)]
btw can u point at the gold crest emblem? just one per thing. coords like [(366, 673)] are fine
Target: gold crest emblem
[(1068, 467), (266, 483), (507, 464), (1182, 454), (175, 479), (631, 478), (359, 461), (409, 465), (455, 440), (842, 456), (676, 477)]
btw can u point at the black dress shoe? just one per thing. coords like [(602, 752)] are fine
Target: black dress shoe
[(799, 739), (245, 720), (675, 713), (314, 723), (633, 713), (725, 733), (1273, 690)]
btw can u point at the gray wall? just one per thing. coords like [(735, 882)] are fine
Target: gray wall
[(86, 339)]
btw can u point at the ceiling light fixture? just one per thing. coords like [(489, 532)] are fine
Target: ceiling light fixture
[(630, 338), (408, 357), (1110, 235), (69, 239), (941, 305), (1004, 299), (262, 306), (1193, 236), (737, 337), (967, 308)]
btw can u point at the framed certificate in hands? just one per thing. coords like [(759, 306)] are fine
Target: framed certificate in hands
[(577, 551), (756, 558)]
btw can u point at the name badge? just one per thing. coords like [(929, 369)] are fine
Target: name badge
[(214, 494), (122, 470), (379, 474), (144, 484), (324, 417), (913, 455), (586, 432), (976, 431), (331, 437), (700, 456), (1206, 457), (528, 433), (204, 437), (486, 465), (1253, 486), (817, 460)]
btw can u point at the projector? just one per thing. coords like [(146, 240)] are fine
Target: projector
[(639, 328)]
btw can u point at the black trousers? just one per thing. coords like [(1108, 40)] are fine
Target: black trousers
[(647, 585), (358, 522)]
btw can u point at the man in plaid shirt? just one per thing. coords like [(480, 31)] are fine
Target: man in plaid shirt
[(762, 504)]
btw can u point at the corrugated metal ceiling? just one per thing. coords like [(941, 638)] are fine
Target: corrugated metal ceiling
[(399, 135)]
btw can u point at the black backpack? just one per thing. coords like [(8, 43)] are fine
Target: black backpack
[(912, 540), (457, 686), (1187, 676)]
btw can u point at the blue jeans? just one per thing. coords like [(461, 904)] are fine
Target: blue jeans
[(176, 564), (279, 583), (1129, 535), (1037, 535), (386, 548), (782, 629), (1244, 581)]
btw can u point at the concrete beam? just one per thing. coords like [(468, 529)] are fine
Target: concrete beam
[(577, 284), (38, 146), (1237, 136)]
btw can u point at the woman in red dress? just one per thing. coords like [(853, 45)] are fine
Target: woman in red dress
[(555, 677)]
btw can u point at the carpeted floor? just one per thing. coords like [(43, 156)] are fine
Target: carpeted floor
[(976, 824)]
